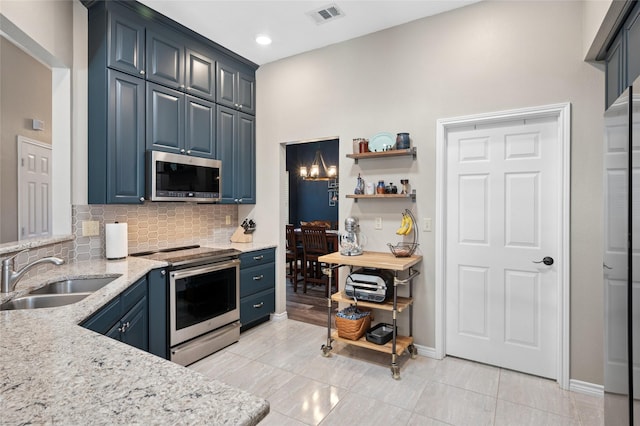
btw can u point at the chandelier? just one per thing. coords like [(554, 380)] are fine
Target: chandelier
[(318, 169)]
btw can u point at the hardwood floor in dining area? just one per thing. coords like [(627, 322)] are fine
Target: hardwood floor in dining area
[(309, 307)]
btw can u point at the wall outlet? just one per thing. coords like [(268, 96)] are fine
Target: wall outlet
[(426, 224), (227, 220), (378, 223), (90, 228)]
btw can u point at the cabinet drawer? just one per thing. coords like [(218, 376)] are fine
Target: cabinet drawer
[(133, 294), (257, 306), (258, 278), (258, 257)]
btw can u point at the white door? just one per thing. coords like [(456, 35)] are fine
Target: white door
[(503, 187), (34, 189)]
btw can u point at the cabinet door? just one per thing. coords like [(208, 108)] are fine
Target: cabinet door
[(200, 138), (103, 320), (245, 154), (246, 93), (165, 58), (614, 76), (136, 326), (125, 139), (633, 47), (158, 313), (226, 76), (165, 119), (126, 45), (225, 138), (200, 75), (236, 148)]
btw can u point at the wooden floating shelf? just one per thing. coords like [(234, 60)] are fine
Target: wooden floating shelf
[(357, 197), (384, 154), (403, 302), (402, 343)]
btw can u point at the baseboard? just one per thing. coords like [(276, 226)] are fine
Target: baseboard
[(426, 351), (586, 388), (279, 317)]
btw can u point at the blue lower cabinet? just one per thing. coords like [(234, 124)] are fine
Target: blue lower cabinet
[(138, 316), (257, 308), (257, 287)]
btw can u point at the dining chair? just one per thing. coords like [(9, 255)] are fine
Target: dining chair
[(294, 254), (314, 245)]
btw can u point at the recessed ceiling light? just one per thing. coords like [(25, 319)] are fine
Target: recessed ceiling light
[(263, 40)]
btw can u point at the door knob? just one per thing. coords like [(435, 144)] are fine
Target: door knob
[(547, 261)]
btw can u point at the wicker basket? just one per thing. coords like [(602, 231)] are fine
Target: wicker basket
[(352, 329)]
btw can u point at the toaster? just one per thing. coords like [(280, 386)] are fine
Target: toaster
[(370, 284)]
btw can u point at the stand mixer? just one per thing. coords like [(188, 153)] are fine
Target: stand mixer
[(350, 241)]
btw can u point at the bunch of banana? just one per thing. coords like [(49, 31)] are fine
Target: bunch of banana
[(406, 225)]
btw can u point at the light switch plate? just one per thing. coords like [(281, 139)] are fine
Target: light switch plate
[(426, 227), (378, 223), (90, 228), (227, 220)]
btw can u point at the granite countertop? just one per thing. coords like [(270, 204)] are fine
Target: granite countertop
[(55, 371)]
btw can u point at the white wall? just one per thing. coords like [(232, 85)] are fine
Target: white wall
[(490, 56), (55, 32)]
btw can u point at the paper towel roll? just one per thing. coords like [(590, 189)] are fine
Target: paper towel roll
[(115, 236)]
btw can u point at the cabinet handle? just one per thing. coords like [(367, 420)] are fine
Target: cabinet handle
[(124, 327), (258, 257), (141, 72), (189, 152), (236, 105), (182, 151), (258, 277), (142, 199), (240, 200), (163, 272), (235, 200), (258, 305)]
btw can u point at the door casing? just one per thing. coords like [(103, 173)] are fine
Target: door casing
[(562, 114)]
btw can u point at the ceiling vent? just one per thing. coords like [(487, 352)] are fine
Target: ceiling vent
[(326, 14)]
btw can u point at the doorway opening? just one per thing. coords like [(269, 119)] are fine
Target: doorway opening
[(310, 200)]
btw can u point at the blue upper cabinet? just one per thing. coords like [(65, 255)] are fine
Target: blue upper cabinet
[(235, 87), (154, 84), (126, 45), (165, 118), (165, 58), (236, 148), (200, 75), (180, 123)]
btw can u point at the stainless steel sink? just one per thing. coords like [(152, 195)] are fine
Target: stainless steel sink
[(76, 285), (43, 301)]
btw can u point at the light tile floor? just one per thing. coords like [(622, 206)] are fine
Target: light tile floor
[(282, 362)]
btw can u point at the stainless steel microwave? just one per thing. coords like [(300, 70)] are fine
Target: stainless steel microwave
[(175, 177)]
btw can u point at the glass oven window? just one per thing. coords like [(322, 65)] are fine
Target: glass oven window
[(204, 296)]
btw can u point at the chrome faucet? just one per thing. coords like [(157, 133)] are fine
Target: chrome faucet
[(10, 277)]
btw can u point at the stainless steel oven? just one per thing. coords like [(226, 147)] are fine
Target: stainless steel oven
[(203, 299)]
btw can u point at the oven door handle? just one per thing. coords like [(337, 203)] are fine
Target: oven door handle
[(188, 272)]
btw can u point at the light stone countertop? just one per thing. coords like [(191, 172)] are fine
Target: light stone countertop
[(55, 371)]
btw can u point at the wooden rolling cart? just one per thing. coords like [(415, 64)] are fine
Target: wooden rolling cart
[(398, 344)]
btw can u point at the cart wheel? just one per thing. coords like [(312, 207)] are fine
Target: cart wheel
[(395, 372), (413, 351), (326, 350)]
